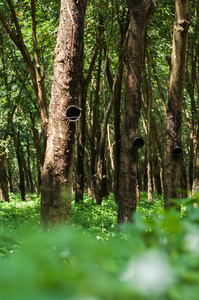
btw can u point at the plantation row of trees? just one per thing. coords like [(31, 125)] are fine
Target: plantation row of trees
[(135, 78)]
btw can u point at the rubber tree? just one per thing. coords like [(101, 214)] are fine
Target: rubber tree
[(173, 164), (114, 94), (56, 189), (34, 68), (140, 11), (195, 187), (79, 188)]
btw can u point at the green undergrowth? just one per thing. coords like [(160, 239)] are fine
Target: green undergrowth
[(155, 258), (18, 220), (99, 220)]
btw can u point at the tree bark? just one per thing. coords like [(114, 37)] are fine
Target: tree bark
[(58, 164), (139, 14), (173, 161)]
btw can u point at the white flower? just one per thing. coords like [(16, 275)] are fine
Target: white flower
[(98, 237), (151, 273), (65, 254), (192, 242)]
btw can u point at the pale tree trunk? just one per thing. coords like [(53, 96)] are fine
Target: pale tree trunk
[(58, 164), (128, 191), (173, 165)]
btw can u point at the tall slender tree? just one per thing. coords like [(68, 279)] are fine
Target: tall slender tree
[(139, 14), (34, 68), (79, 187), (173, 154), (58, 164)]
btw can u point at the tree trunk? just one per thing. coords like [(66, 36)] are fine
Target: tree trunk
[(149, 97), (156, 165), (95, 136), (3, 179), (10, 177), (34, 70), (58, 164), (41, 93), (79, 187), (173, 154), (196, 167), (139, 14), (101, 163), (17, 144), (32, 188), (27, 180), (195, 187), (124, 24)]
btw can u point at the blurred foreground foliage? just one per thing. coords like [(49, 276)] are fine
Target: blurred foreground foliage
[(157, 257)]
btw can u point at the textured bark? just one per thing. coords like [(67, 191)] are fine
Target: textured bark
[(58, 163), (173, 163), (139, 14)]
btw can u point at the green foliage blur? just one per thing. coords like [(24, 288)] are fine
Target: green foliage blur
[(157, 257)]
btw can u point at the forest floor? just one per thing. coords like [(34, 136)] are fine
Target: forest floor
[(155, 258), (18, 219)]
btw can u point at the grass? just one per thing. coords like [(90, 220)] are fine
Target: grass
[(19, 219), (155, 258)]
